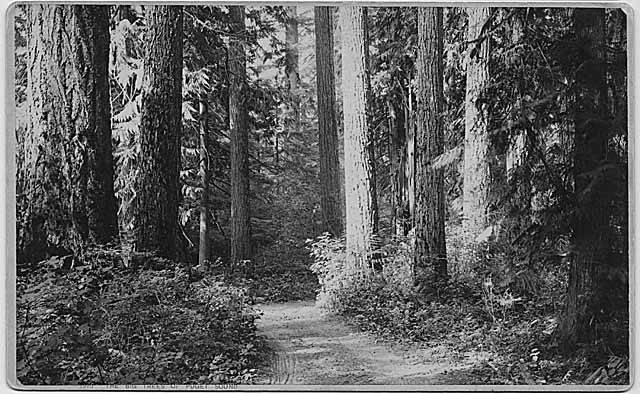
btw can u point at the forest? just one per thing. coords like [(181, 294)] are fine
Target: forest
[(334, 195)]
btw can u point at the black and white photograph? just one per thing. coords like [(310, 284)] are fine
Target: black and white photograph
[(320, 196)]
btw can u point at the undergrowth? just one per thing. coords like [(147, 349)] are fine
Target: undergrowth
[(508, 311), (280, 273), (93, 321)]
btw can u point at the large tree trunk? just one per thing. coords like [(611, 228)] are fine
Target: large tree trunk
[(567, 133), (371, 154), (476, 139), (327, 124), (517, 143), (430, 250), (291, 67), (337, 69), (67, 169), (357, 166), (240, 214), (155, 208), (517, 150), (591, 220), (203, 246), (617, 81)]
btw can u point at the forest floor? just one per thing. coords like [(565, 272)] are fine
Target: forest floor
[(313, 348)]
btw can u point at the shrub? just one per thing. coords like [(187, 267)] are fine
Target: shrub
[(90, 322), (386, 302), (391, 265), (508, 308), (330, 267)]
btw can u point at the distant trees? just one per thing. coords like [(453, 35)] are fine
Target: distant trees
[(409, 162), (477, 157), (239, 133), (360, 204), (430, 250), (291, 65), (155, 208), (327, 123), (394, 61), (203, 244), (67, 164), (397, 158)]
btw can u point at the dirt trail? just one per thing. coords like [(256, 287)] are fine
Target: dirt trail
[(316, 349)]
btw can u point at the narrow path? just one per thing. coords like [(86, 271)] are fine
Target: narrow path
[(312, 348)]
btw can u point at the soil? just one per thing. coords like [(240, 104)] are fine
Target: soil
[(312, 348)]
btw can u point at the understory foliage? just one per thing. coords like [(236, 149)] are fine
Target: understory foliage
[(509, 310), (93, 321)]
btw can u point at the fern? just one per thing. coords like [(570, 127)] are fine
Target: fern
[(130, 110), (126, 75)]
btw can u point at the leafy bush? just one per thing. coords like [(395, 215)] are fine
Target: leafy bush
[(391, 264), (388, 303), (508, 309), (330, 265), (407, 315), (93, 322)]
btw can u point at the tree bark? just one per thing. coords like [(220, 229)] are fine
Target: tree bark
[(567, 134), (327, 123), (476, 140), (240, 214), (371, 147), (67, 169), (358, 173), (430, 250), (337, 68), (203, 246), (617, 81), (291, 67), (517, 151), (591, 220), (155, 208)]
